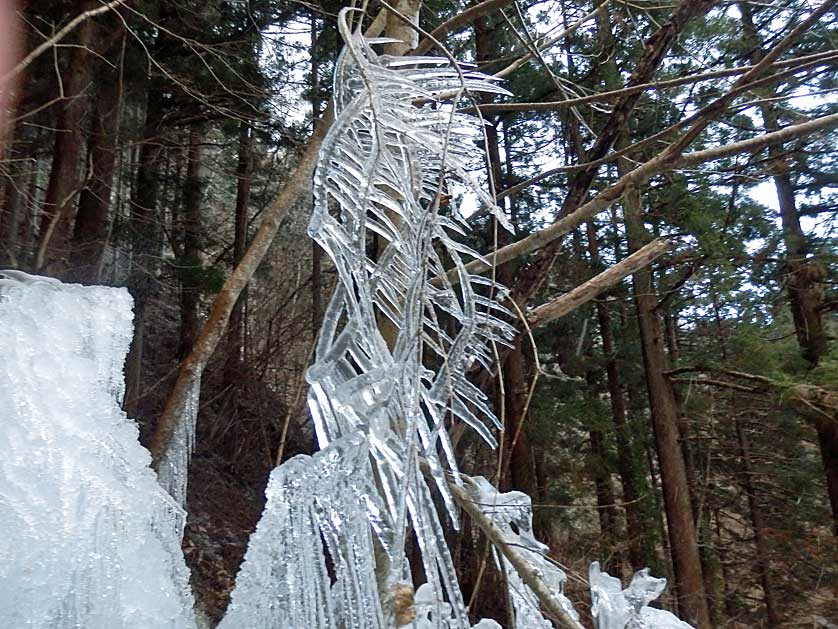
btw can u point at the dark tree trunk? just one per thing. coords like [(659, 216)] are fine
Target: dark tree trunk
[(761, 561), (683, 540), (190, 265), (236, 329), (641, 544), (90, 232), (146, 238), (64, 184)]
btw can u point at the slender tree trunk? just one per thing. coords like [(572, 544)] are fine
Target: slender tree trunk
[(761, 562), (64, 184), (190, 265), (146, 239), (641, 548), (683, 540), (236, 331)]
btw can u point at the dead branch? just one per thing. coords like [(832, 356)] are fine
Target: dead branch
[(582, 294)]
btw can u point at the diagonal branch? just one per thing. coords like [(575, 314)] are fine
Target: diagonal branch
[(582, 294)]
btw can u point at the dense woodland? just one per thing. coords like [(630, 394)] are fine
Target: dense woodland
[(677, 410)]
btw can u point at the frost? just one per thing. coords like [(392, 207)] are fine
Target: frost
[(88, 538), (615, 608), (310, 562)]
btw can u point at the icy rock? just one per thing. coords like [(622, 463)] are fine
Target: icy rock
[(88, 538), (612, 607), (310, 563)]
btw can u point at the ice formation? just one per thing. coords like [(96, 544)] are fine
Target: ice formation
[(615, 608), (403, 329), (511, 512), (311, 561), (381, 166), (173, 467), (88, 538)]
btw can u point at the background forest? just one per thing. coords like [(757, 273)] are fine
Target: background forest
[(680, 412)]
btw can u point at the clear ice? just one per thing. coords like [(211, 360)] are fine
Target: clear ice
[(88, 538)]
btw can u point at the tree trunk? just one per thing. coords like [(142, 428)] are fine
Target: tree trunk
[(90, 231), (761, 562), (641, 544), (683, 541), (146, 240), (803, 273), (244, 169), (57, 216), (189, 265)]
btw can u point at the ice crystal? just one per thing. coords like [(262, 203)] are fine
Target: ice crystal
[(310, 562)]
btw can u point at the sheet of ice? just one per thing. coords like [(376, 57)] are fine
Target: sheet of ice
[(310, 564), (612, 607), (88, 538)]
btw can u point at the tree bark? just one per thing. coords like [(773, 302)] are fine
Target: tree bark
[(236, 331), (189, 264), (762, 564), (641, 548), (683, 540), (146, 239), (90, 230)]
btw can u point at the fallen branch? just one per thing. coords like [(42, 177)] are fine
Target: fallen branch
[(582, 294), (529, 575), (213, 329)]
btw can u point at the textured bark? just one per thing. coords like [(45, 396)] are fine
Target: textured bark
[(683, 540)]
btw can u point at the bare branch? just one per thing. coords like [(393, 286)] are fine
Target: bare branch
[(582, 294), (71, 25), (662, 163), (529, 575)]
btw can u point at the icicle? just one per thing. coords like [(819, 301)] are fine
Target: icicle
[(88, 538), (310, 562), (511, 512), (173, 470)]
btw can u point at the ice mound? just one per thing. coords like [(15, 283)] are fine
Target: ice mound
[(88, 539)]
